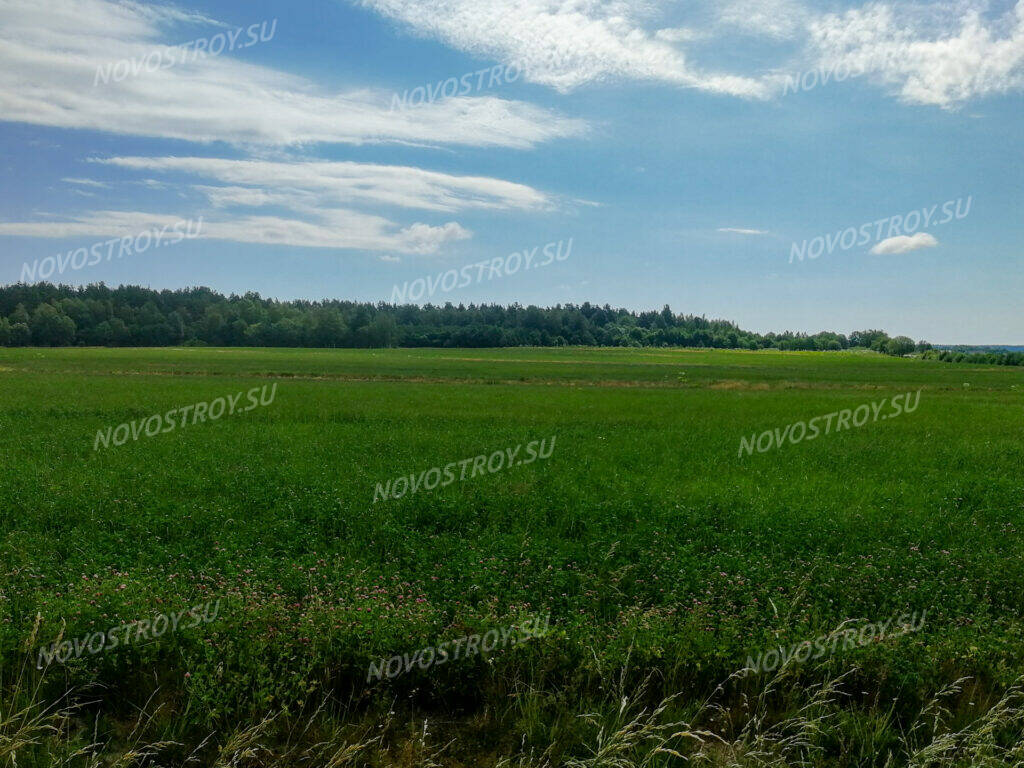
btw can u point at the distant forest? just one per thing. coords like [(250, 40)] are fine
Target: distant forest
[(132, 316)]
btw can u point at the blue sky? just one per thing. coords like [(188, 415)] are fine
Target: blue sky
[(665, 138)]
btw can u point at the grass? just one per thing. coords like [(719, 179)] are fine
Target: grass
[(663, 558)]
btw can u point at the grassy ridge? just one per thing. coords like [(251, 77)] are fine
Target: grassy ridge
[(644, 535)]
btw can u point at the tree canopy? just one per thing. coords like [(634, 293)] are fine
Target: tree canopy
[(43, 314)]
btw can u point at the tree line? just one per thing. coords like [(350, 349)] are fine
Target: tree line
[(43, 314), (977, 358)]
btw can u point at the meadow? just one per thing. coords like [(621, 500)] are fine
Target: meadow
[(662, 557)]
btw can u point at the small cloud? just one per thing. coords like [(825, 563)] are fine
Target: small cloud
[(739, 231), (904, 244), (390, 258), (424, 239), (779, 19), (678, 35), (85, 182)]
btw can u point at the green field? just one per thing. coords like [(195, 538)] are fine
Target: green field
[(663, 558)]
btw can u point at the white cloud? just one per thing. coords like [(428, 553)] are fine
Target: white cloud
[(941, 55), (50, 52), (565, 43), (780, 19), (84, 182), (904, 244), (306, 203), (678, 34), (94, 224), (317, 184), (739, 231), (333, 229)]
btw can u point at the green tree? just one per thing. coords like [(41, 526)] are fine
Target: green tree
[(21, 335), (382, 331), (328, 329), (901, 345), (873, 339), (111, 333), (52, 328), (19, 315)]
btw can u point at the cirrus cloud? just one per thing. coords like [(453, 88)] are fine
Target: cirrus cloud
[(321, 184), (348, 230), (741, 231), (50, 53), (567, 44), (943, 53), (302, 203)]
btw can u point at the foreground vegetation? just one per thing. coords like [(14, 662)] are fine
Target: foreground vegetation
[(663, 558)]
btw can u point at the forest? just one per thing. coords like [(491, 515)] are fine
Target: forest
[(43, 314)]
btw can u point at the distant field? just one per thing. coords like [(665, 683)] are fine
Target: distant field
[(653, 546)]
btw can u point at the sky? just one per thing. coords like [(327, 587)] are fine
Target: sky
[(781, 164)]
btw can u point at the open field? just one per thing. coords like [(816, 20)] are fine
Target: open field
[(652, 544)]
